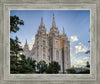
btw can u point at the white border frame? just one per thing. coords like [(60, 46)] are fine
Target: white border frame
[(57, 78)]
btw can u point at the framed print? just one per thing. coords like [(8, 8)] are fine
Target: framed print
[(51, 52), (49, 42)]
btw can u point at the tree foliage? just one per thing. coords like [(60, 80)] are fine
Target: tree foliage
[(22, 65), (42, 66), (85, 72), (18, 62), (71, 71), (87, 64), (14, 23), (15, 47), (53, 67)]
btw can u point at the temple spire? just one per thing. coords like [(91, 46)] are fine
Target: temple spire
[(53, 16), (26, 46), (63, 31), (26, 42), (53, 23), (41, 21)]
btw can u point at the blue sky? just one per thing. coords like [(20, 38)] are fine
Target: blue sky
[(76, 24)]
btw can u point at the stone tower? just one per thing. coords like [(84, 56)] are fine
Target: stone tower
[(41, 43), (65, 49)]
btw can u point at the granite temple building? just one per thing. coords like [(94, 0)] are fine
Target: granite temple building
[(50, 46)]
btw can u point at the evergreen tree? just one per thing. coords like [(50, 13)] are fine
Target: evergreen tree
[(42, 66), (71, 71), (18, 62), (87, 64), (53, 67), (26, 65), (15, 47)]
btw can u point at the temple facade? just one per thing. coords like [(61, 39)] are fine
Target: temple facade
[(50, 46)]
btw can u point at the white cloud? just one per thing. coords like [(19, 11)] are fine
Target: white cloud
[(79, 63), (30, 46), (80, 48), (86, 58), (74, 38)]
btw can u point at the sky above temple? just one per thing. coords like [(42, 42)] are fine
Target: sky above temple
[(76, 24)]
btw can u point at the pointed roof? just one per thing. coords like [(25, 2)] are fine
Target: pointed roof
[(26, 42), (53, 23), (41, 21), (63, 31), (42, 28), (63, 34), (26, 46)]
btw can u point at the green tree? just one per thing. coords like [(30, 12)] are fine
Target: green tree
[(15, 50), (53, 67), (87, 64), (22, 65), (26, 65), (71, 71), (14, 27), (42, 66), (13, 64), (15, 47), (85, 72), (14, 23)]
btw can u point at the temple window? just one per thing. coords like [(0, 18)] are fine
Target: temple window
[(56, 44)]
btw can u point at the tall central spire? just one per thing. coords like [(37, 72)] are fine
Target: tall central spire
[(53, 16), (41, 21), (53, 23)]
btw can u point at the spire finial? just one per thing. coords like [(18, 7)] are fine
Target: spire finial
[(53, 23), (26, 46), (63, 31), (53, 16), (26, 42), (41, 21)]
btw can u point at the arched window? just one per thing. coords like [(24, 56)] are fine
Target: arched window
[(56, 44)]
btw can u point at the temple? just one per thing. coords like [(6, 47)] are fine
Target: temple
[(50, 46)]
